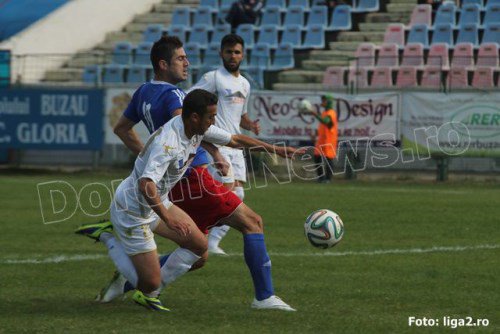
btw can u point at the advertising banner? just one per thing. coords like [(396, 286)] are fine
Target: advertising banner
[(452, 124), (66, 119)]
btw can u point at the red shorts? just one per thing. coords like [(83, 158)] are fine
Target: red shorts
[(204, 199)]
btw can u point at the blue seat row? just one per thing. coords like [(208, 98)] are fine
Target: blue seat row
[(470, 13)]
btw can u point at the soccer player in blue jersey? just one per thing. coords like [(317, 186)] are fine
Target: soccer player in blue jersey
[(155, 103)]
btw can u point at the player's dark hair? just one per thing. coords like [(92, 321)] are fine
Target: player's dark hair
[(163, 49), (197, 102), (231, 40)]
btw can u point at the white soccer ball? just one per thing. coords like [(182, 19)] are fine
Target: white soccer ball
[(305, 105), (324, 228)]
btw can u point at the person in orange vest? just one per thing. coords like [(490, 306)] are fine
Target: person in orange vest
[(326, 138)]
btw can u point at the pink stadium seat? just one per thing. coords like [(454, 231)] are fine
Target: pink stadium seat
[(365, 55), (438, 56), (421, 14), (457, 78), (382, 77), (334, 77), (407, 77), (358, 77), (463, 56), (431, 78), (388, 55), (483, 77), (413, 55), (487, 55), (395, 33)]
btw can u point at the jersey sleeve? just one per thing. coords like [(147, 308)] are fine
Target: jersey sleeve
[(173, 101), (217, 136), (207, 82), (132, 111), (157, 163)]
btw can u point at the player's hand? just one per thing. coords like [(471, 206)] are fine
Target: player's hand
[(221, 164), (256, 127)]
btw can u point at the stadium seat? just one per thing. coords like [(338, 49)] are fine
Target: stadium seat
[(446, 13), (221, 16), (419, 33), (113, 73), (271, 15), (431, 77), (463, 56), (302, 3), (365, 55), (395, 33), (491, 33), (382, 77), (261, 56), (137, 74), (421, 14), (468, 34), (178, 31), (142, 53), (341, 18), (152, 33), (247, 32), (473, 2), (364, 6), (212, 4), (438, 56), (470, 14), (407, 77), (193, 53), (483, 78), (318, 15), (294, 15), (92, 74), (181, 17), (334, 77), (219, 32), (388, 55), (255, 76), (358, 77), (283, 57), (211, 58), (292, 35), (279, 3), (225, 4), (122, 53), (315, 37), (488, 55), (457, 78), (269, 34), (492, 14), (413, 55), (199, 34), (203, 16), (493, 2), (443, 33)]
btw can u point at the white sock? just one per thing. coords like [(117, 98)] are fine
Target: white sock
[(119, 257), (216, 235), (240, 192), (177, 264)]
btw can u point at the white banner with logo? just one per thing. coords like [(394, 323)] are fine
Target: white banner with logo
[(117, 100), (452, 124), (373, 116)]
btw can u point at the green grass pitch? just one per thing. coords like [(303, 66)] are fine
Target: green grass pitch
[(422, 250)]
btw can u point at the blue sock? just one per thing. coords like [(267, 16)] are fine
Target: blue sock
[(129, 286), (259, 264)]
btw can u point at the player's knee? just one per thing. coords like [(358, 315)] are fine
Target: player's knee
[(200, 263), (199, 246), (254, 223)]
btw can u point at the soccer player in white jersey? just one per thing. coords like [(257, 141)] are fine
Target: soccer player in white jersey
[(233, 91)]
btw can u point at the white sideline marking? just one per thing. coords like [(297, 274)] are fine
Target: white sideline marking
[(436, 249)]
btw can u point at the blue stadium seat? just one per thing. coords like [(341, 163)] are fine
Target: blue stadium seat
[(137, 74), (283, 57), (363, 6), (142, 53), (491, 2), (203, 16), (492, 33), (443, 33), (271, 15), (294, 15), (315, 37), (181, 17), (419, 33), (446, 13), (261, 55), (470, 14), (152, 33), (113, 73), (92, 74), (212, 58), (247, 32), (199, 34), (213, 4), (178, 31), (292, 35), (122, 53), (225, 4), (221, 16), (279, 3), (302, 3), (255, 76), (468, 33), (480, 3), (269, 35), (318, 15), (341, 18), (492, 14), (219, 32), (194, 54)]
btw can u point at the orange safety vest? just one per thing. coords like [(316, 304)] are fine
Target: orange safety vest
[(326, 143)]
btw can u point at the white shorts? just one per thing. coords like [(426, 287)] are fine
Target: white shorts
[(237, 167)]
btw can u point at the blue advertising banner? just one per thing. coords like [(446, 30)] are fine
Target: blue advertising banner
[(66, 119)]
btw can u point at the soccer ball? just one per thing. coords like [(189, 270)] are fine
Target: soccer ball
[(324, 228), (305, 105)]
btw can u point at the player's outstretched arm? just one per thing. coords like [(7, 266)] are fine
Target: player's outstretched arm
[(258, 145), (124, 130)]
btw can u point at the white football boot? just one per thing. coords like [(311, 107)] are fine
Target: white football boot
[(272, 303)]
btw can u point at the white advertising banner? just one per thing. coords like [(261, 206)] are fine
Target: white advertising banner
[(117, 100), (360, 117), (452, 124)]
